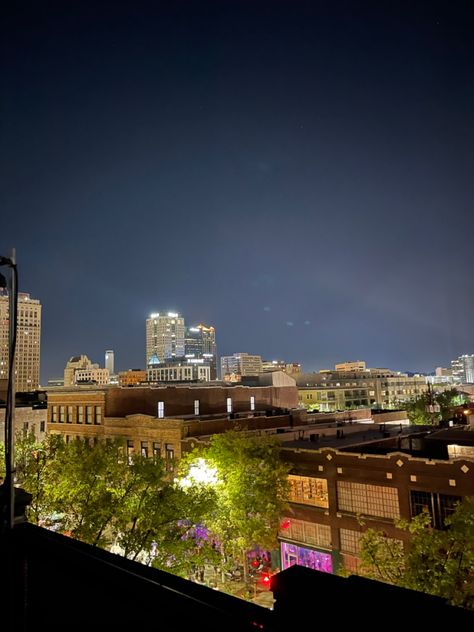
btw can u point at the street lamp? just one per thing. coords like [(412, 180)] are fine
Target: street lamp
[(8, 507)]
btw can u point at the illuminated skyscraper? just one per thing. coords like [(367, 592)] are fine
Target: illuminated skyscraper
[(109, 361), (463, 369), (27, 362), (200, 342), (164, 337)]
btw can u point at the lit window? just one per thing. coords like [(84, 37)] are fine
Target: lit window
[(98, 414), (252, 402), (229, 404), (196, 407), (161, 410)]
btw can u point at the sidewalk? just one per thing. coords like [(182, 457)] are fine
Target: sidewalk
[(254, 591)]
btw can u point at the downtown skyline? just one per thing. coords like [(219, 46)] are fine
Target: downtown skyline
[(296, 175)]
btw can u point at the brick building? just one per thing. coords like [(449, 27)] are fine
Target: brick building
[(380, 481), (161, 420)]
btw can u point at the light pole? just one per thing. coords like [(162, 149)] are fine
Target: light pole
[(8, 515)]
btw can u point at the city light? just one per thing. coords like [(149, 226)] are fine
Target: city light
[(200, 473)]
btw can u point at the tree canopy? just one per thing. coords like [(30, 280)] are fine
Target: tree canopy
[(442, 403), (439, 562)]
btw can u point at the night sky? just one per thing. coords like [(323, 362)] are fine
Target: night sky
[(299, 175)]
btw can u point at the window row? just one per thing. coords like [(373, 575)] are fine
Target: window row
[(76, 414), (306, 532)]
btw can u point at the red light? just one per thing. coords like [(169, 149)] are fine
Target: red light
[(266, 579), (285, 524)]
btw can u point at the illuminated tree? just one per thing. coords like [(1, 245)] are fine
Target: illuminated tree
[(251, 492)]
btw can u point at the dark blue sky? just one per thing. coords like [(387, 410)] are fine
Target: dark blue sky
[(299, 174)]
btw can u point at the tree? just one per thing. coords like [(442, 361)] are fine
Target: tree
[(439, 562), (251, 492), (418, 410)]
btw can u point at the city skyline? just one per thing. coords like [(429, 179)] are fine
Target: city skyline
[(297, 175)]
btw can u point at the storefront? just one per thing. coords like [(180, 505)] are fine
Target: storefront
[(293, 554)]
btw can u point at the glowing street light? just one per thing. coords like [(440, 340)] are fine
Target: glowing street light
[(200, 473)]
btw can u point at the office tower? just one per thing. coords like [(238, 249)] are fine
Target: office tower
[(200, 343), (236, 366), (463, 369), (27, 362), (109, 361), (164, 337)]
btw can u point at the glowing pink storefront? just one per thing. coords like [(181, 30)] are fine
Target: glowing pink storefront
[(293, 554)]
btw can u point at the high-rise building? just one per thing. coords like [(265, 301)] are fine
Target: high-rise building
[(27, 362), (200, 343), (463, 369), (109, 361), (236, 366), (164, 337)]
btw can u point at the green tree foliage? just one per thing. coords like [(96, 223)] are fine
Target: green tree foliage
[(250, 493), (436, 562), (418, 409)]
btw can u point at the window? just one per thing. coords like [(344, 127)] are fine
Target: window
[(350, 541), (196, 407), (54, 414), (144, 449), (98, 414), (369, 500), (252, 402), (439, 506), (307, 532), (25, 426), (69, 414), (42, 426), (130, 451), (309, 491), (161, 410), (169, 456), (229, 404), (89, 414), (80, 414), (62, 414), (156, 450)]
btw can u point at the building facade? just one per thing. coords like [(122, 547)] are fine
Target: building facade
[(238, 365), (200, 344), (327, 399), (80, 369), (28, 342), (132, 377), (331, 491), (386, 389), (168, 416), (164, 337), (190, 370), (290, 368), (351, 366), (94, 375), (463, 369)]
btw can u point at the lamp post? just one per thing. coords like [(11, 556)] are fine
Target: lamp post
[(8, 515)]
